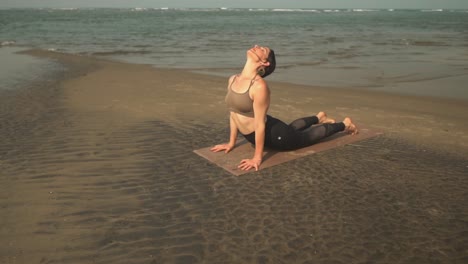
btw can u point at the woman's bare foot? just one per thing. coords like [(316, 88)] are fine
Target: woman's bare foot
[(322, 117), (350, 127)]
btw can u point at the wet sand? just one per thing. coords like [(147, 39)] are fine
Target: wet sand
[(97, 167)]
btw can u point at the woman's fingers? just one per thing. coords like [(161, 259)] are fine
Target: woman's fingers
[(243, 164), (227, 149), (247, 164), (214, 149), (224, 147), (218, 148)]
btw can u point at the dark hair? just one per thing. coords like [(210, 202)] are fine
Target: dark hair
[(271, 68)]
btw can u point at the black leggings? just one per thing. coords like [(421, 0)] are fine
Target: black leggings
[(299, 134)]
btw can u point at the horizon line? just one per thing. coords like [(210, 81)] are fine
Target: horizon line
[(230, 8)]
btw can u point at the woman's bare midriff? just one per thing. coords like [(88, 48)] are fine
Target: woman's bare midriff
[(245, 124)]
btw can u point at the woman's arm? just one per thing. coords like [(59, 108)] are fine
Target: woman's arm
[(261, 98), (233, 132), (232, 138)]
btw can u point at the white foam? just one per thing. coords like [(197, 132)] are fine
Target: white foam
[(258, 9), (364, 10), (283, 10), (294, 10), (7, 43), (66, 8), (432, 10)]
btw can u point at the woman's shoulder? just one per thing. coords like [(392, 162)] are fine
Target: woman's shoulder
[(231, 80), (232, 77), (260, 88), (260, 84)]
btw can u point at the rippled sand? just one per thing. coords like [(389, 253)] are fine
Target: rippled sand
[(99, 168)]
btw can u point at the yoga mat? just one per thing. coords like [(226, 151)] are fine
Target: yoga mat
[(245, 150)]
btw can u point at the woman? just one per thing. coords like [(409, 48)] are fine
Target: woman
[(248, 99)]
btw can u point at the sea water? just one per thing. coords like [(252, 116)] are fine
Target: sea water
[(422, 52), (18, 69)]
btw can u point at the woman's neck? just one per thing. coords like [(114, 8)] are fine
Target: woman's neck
[(249, 71)]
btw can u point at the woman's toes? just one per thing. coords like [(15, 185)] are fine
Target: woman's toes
[(350, 127)]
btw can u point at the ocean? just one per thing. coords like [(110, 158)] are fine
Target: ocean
[(419, 52)]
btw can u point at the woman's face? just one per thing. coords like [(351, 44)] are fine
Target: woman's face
[(259, 53)]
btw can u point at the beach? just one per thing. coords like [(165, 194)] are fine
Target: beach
[(97, 167)]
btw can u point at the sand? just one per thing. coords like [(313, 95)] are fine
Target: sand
[(96, 166)]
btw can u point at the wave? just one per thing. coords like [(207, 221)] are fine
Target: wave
[(139, 9), (365, 10), (432, 10), (119, 52), (302, 64), (7, 43), (293, 10), (66, 8), (429, 43), (284, 10), (342, 54), (259, 9), (458, 11), (329, 40), (408, 42)]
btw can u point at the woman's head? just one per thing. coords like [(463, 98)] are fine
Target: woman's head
[(266, 57), (270, 68)]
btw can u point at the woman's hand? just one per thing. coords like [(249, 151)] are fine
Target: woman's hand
[(247, 164), (221, 147)]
